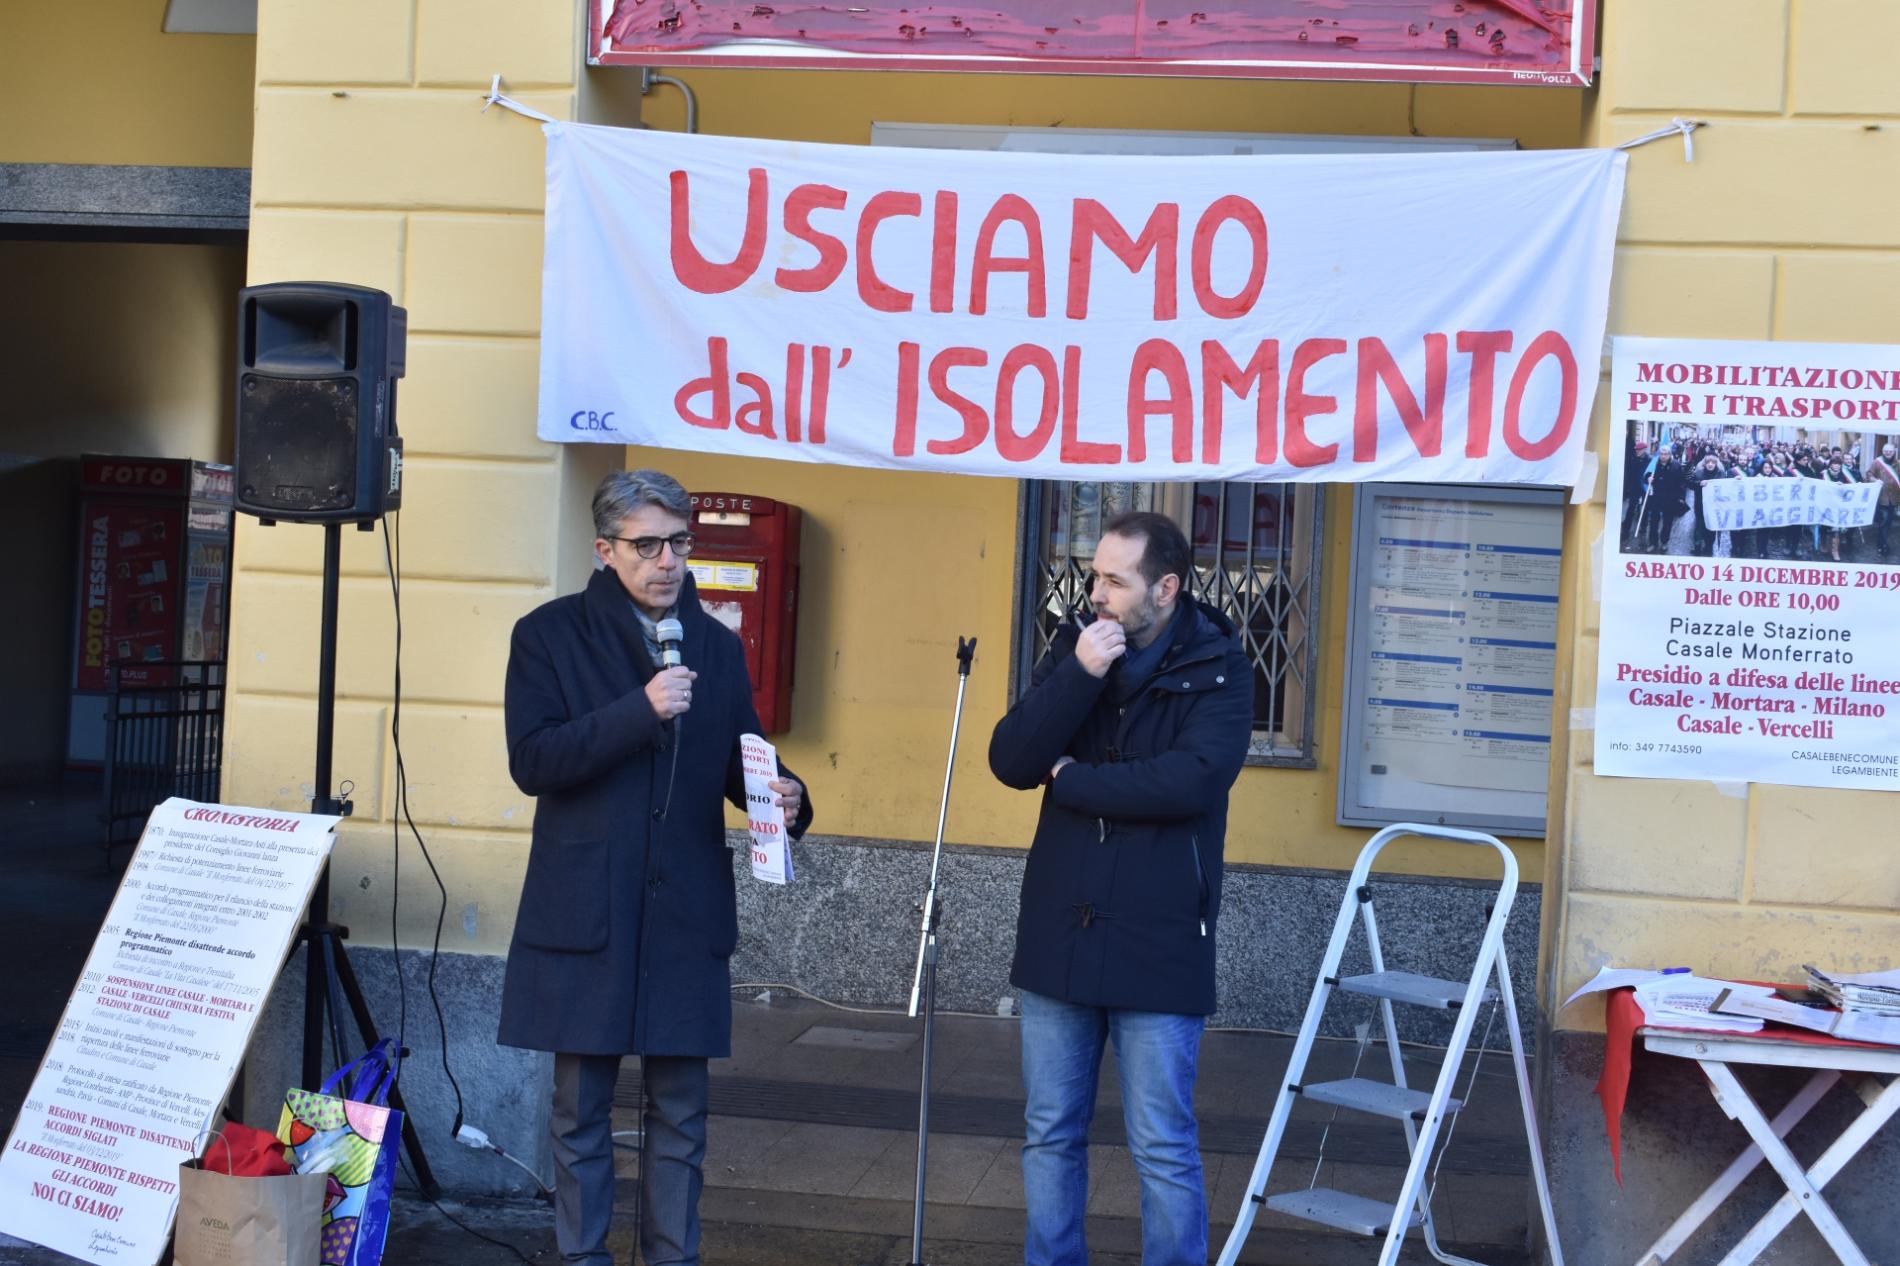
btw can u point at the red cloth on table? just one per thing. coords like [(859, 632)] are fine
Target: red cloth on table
[(1622, 1016)]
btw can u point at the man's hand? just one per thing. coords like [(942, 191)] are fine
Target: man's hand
[(791, 797), (670, 691), (1066, 760), (1101, 644)]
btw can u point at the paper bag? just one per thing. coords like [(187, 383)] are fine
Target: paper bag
[(226, 1221)]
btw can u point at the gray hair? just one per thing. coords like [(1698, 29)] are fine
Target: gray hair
[(625, 491)]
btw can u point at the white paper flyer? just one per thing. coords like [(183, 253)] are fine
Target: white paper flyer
[(771, 854)]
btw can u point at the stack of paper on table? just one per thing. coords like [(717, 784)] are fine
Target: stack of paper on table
[(1876, 992), (1688, 1002), (1869, 1004), (1675, 999)]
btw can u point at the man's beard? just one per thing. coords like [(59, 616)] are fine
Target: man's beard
[(1140, 623)]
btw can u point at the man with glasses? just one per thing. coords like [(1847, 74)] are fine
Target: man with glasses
[(628, 915)]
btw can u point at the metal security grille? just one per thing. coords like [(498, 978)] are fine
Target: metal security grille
[(164, 738), (1256, 557)]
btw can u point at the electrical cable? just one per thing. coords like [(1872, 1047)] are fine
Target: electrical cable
[(463, 1226), (393, 528), (395, 827)]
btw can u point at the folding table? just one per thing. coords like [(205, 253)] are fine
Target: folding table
[(1874, 1072)]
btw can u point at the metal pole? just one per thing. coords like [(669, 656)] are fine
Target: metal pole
[(966, 651), (318, 916), (925, 981), (923, 1102)]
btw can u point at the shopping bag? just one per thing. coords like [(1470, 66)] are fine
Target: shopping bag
[(246, 1221), (346, 1131)]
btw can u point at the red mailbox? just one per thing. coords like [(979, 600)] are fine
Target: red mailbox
[(745, 564)]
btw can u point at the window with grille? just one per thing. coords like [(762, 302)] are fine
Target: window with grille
[(1256, 558)]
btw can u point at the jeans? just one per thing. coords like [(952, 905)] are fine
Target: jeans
[(1062, 1060)]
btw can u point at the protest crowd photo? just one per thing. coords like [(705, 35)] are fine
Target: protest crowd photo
[(1676, 487)]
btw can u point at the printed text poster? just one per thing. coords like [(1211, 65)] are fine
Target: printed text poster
[(1751, 574)]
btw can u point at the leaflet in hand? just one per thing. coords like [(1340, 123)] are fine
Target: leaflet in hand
[(771, 854)]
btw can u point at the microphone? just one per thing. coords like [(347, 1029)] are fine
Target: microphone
[(669, 632)]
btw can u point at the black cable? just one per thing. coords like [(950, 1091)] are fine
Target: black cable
[(395, 827), (465, 1227), (442, 911)]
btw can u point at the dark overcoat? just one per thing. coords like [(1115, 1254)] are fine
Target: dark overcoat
[(628, 916), (1121, 891)]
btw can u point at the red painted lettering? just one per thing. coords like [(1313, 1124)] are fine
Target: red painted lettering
[(1244, 213), (693, 269), (1219, 374), (1021, 448), (875, 293), (831, 253), (1177, 404), (1091, 222), (1377, 368), (1300, 450), (976, 423), (1484, 347), (1548, 344), (1010, 208), (715, 383)]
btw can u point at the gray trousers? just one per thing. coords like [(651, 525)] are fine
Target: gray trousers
[(673, 1149)]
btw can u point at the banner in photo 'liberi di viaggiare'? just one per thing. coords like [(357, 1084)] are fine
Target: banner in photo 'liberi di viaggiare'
[(1751, 575), (1332, 318)]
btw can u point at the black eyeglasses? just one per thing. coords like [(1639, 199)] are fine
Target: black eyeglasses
[(681, 544)]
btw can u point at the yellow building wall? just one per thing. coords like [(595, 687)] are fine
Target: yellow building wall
[(103, 83), (1780, 229), (444, 211)]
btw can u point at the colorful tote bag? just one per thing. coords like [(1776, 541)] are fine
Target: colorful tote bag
[(346, 1129)]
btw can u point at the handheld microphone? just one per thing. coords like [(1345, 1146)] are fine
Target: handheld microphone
[(669, 632)]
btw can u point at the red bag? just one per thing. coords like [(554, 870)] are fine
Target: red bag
[(246, 1153)]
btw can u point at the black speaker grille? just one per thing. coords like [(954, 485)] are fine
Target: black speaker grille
[(296, 444)]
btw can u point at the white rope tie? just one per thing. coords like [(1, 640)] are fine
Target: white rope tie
[(1684, 128), (496, 97)]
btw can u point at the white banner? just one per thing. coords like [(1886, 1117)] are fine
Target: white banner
[(1431, 317), (156, 1027), (1749, 597), (1748, 503)]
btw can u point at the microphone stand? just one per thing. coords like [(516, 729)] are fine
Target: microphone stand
[(925, 980)]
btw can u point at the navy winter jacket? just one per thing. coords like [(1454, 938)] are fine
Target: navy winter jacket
[(627, 917), (1121, 891)]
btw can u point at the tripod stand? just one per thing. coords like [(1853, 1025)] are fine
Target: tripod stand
[(925, 981), (327, 960)]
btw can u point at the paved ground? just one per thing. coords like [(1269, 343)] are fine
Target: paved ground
[(813, 1138)]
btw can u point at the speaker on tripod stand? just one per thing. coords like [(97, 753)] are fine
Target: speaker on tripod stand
[(316, 403), (316, 443)]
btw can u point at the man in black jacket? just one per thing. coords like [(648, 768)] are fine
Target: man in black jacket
[(628, 917), (1667, 483), (1135, 727)]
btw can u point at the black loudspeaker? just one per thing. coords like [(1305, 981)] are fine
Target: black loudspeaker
[(316, 402)]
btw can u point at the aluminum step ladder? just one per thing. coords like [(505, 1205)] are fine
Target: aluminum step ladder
[(1421, 1115)]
